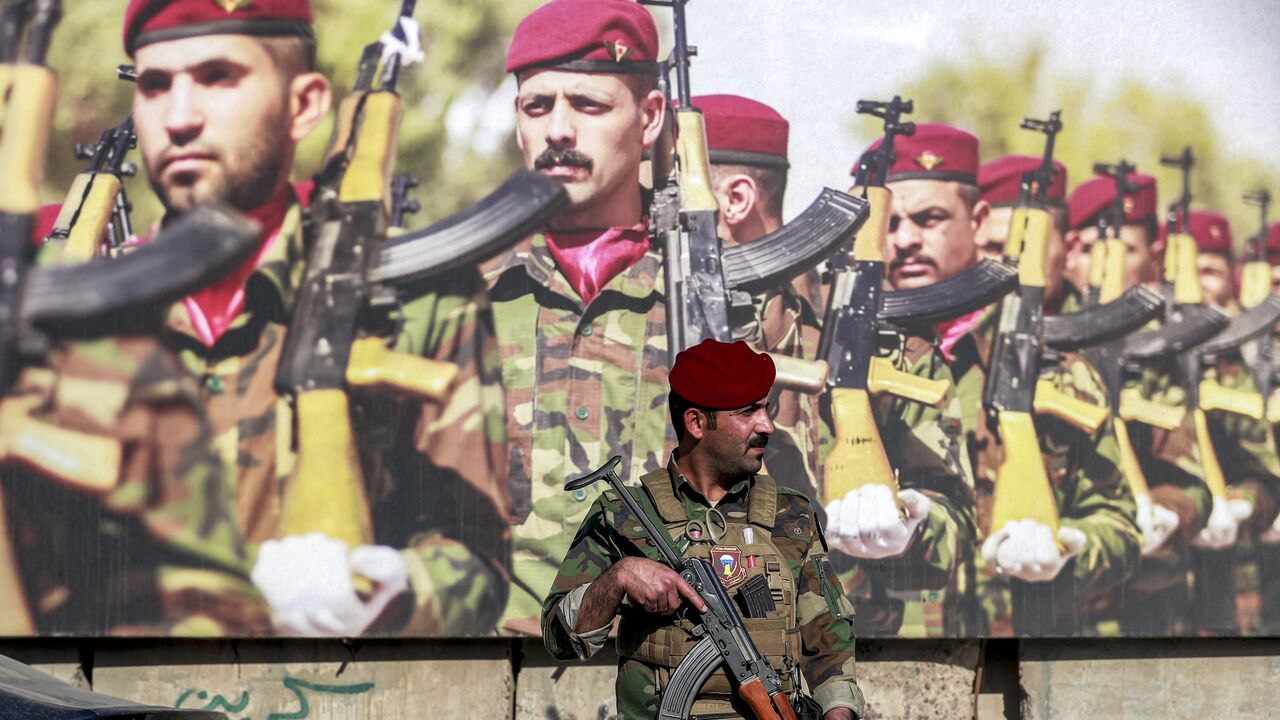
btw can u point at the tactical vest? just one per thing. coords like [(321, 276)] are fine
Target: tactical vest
[(663, 642)]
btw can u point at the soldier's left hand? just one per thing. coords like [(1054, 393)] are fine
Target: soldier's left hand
[(1027, 550), (1224, 524), (307, 581), (867, 523)]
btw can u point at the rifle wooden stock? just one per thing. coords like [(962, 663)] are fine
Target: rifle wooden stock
[(27, 119), (1214, 396), (1213, 477), (326, 491), (1023, 490), (1083, 415), (883, 377), (858, 457), (804, 376), (1273, 407), (1138, 409), (1129, 463), (89, 462), (372, 364)]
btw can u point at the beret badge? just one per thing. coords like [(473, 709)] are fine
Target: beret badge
[(617, 50), (233, 5), (928, 160)]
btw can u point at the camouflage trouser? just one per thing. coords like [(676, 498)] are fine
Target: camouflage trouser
[(1235, 590)]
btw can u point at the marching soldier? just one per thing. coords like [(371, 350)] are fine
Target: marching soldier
[(225, 93), (1155, 599), (1029, 582), (719, 406)]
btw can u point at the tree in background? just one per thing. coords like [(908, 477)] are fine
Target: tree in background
[(455, 136), (1132, 119)]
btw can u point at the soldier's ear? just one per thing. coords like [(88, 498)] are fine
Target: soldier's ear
[(738, 196), (695, 423), (310, 97), (981, 212), (653, 110)]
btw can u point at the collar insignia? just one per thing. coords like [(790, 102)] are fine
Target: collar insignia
[(928, 160), (617, 50)]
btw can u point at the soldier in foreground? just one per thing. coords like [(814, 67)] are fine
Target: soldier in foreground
[(716, 505), (225, 93)]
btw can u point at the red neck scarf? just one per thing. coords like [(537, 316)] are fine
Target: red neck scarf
[(950, 332), (213, 308), (589, 259)]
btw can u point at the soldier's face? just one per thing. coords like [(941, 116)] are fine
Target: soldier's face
[(1216, 278), (588, 131), (736, 444), (1141, 265), (931, 232), (994, 233), (217, 120)]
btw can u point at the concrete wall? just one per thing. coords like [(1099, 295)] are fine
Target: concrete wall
[(1030, 680)]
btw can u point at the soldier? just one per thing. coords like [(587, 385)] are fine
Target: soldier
[(225, 92), (1155, 600), (580, 311), (719, 406), (1028, 581)]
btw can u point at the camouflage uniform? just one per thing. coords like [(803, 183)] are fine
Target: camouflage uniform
[(906, 595), (819, 644), (1089, 489), (582, 384)]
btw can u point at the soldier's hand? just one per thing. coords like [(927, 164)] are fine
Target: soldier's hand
[(1027, 550), (867, 522), (307, 581), (1271, 536), (1156, 522), (1224, 524), (655, 587)]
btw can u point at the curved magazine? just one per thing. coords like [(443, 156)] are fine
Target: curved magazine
[(958, 295), (1103, 323), (1248, 325), (1197, 324)]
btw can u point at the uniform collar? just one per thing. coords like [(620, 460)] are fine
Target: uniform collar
[(531, 256), (685, 489)]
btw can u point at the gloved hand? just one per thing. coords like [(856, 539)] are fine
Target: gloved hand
[(1156, 522), (307, 581), (1224, 524), (866, 523), (1271, 536), (1027, 550)]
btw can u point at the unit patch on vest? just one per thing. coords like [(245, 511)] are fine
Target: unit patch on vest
[(727, 560)]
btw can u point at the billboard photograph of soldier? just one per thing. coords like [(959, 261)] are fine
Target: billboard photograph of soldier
[(308, 334)]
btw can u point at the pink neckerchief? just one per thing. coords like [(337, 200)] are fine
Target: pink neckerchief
[(950, 331), (213, 308), (589, 259)]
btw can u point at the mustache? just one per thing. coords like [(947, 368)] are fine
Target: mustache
[(568, 157), (917, 258), (758, 441)]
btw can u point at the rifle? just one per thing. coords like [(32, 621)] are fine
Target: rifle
[(351, 286), (401, 204), (862, 321), (724, 639), (703, 282), (40, 304), (1255, 288)]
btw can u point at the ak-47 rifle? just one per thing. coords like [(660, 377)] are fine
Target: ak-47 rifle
[(863, 324), (94, 218), (1255, 289), (704, 281), (38, 305), (723, 639), (1014, 391), (350, 291), (401, 204)]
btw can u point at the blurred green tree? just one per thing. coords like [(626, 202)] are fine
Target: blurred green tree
[(1132, 119), (455, 136)]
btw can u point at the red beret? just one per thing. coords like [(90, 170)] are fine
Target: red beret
[(721, 376), (1211, 230), (741, 131), (152, 21), (617, 36), (1001, 180), (1273, 244), (934, 152), (1096, 195)]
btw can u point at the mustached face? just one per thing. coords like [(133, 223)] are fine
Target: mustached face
[(931, 232)]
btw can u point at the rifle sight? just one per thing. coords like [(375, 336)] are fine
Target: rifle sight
[(128, 73), (1052, 126), (1183, 161)]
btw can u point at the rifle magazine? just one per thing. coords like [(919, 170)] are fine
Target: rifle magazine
[(961, 294)]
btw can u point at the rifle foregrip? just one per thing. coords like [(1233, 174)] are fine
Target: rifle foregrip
[(858, 457), (326, 492), (373, 364), (90, 462), (869, 242), (369, 171), (1029, 236), (1139, 409), (1186, 282), (1213, 396), (27, 120), (762, 706), (885, 378), (805, 376), (1023, 490), (695, 167), (1273, 407), (1129, 463), (1213, 477), (1112, 284), (1097, 263), (1255, 283), (1074, 411), (84, 241)]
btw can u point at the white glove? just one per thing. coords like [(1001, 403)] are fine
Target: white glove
[(1271, 536), (1027, 550), (865, 523), (1156, 522), (405, 40), (306, 580), (1224, 524)]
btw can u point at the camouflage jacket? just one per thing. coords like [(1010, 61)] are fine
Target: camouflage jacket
[(824, 618), (1089, 488), (922, 444), (582, 384)]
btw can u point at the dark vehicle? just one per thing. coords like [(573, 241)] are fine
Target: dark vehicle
[(28, 694)]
